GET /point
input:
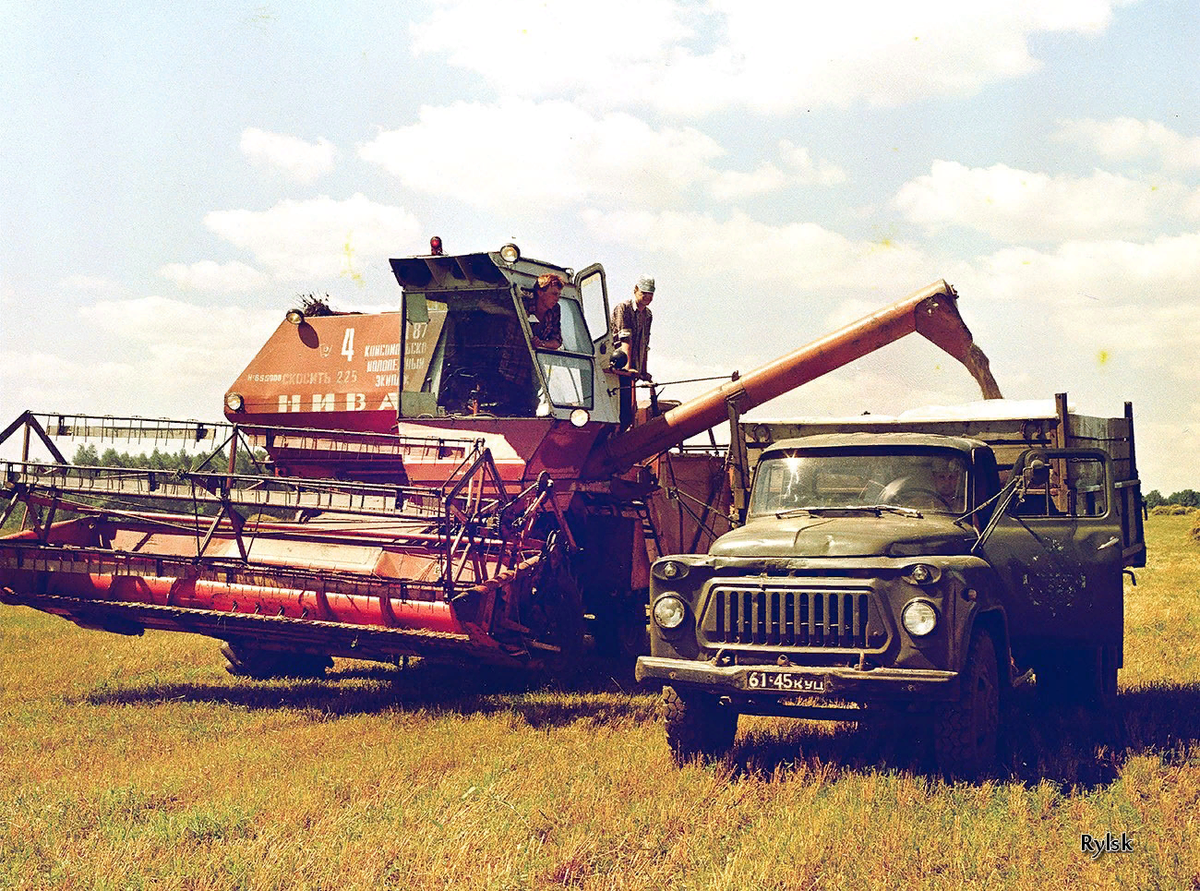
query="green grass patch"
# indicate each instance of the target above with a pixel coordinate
(138, 763)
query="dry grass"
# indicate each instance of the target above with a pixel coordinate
(138, 763)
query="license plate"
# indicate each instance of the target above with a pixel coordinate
(784, 682)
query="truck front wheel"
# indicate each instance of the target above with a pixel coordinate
(698, 726)
(965, 731)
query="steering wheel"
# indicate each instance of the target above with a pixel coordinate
(893, 492)
(871, 492)
(457, 387)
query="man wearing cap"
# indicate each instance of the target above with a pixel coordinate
(631, 325)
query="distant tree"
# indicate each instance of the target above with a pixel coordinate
(1187, 498)
(1154, 498)
(86, 456)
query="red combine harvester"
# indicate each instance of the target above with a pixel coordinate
(434, 484)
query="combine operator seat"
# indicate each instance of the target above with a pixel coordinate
(482, 365)
(472, 343)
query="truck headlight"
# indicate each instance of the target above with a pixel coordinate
(919, 617)
(234, 401)
(669, 612)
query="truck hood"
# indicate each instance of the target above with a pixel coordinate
(860, 535)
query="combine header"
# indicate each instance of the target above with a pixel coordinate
(433, 484)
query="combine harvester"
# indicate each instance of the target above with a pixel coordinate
(434, 484)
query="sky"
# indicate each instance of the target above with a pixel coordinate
(173, 176)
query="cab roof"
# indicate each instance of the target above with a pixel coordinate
(898, 441)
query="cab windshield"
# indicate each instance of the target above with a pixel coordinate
(929, 480)
(482, 362)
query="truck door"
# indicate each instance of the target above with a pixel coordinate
(1057, 550)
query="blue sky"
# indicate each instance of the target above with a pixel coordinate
(173, 176)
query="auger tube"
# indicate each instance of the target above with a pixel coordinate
(931, 312)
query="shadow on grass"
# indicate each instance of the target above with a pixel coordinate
(601, 693)
(1071, 746)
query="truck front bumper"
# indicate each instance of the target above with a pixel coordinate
(839, 683)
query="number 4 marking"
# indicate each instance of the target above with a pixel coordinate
(348, 345)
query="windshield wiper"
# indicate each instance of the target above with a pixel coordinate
(792, 512)
(895, 509)
(876, 509)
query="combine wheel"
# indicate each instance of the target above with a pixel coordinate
(965, 731)
(698, 726)
(621, 630)
(252, 662)
(552, 611)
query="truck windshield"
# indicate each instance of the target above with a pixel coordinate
(934, 480)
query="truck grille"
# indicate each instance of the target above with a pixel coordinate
(787, 617)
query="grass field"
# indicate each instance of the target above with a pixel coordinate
(138, 763)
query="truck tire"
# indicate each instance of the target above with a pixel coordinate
(698, 726)
(965, 731)
(252, 662)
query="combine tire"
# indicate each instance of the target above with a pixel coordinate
(965, 731)
(553, 613)
(698, 726)
(252, 662)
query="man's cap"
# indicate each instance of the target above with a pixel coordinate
(645, 284)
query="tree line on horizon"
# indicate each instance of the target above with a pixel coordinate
(1184, 498)
(90, 456)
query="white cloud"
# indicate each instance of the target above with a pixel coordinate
(1125, 139)
(564, 155)
(537, 48)
(208, 275)
(807, 170)
(299, 160)
(772, 56)
(552, 154)
(1023, 206)
(90, 284)
(167, 358)
(1162, 272)
(729, 185)
(800, 254)
(321, 237)
(164, 326)
(799, 169)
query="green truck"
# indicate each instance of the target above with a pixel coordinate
(922, 564)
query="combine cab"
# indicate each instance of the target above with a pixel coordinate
(433, 484)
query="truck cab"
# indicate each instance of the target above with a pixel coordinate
(878, 568)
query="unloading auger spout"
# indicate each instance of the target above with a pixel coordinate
(931, 312)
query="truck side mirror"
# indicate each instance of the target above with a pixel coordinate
(1036, 473)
